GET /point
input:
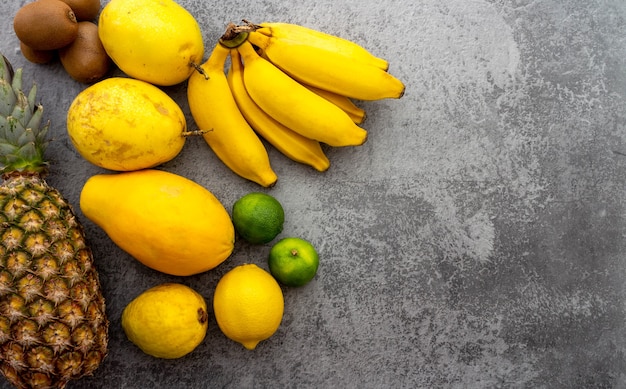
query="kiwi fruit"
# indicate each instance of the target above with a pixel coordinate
(85, 59)
(85, 10)
(45, 24)
(36, 56)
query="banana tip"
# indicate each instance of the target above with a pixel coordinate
(322, 166)
(364, 138)
(402, 92)
(271, 183)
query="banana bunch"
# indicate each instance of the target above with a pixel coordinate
(290, 85)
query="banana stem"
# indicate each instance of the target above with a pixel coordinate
(215, 62)
(236, 35)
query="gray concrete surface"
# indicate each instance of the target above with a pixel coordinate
(477, 240)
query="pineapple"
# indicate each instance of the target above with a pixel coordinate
(53, 326)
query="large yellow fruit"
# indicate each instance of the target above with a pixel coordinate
(125, 124)
(166, 321)
(166, 221)
(151, 40)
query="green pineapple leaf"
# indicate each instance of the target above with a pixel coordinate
(22, 140)
(13, 130)
(7, 97)
(35, 119)
(32, 95)
(16, 83)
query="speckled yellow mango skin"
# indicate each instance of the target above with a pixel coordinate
(151, 40)
(166, 321)
(166, 221)
(124, 124)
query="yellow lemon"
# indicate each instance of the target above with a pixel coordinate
(151, 40)
(125, 124)
(166, 221)
(166, 321)
(248, 305)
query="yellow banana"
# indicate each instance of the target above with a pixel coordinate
(356, 114)
(288, 142)
(323, 40)
(327, 69)
(225, 129)
(295, 106)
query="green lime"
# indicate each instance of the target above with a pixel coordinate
(258, 217)
(293, 261)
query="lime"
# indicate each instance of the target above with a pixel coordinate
(293, 261)
(258, 217)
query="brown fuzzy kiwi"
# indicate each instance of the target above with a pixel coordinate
(45, 24)
(84, 9)
(36, 56)
(85, 59)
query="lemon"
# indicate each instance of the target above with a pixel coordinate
(166, 321)
(154, 41)
(293, 261)
(125, 124)
(248, 305)
(258, 217)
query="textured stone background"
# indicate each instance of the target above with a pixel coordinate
(475, 241)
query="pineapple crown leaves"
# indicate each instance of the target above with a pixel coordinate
(22, 137)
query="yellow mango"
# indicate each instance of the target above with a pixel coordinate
(166, 221)
(125, 124)
(151, 40)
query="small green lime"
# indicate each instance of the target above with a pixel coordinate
(293, 261)
(258, 217)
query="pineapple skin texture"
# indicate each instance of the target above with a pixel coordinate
(53, 325)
